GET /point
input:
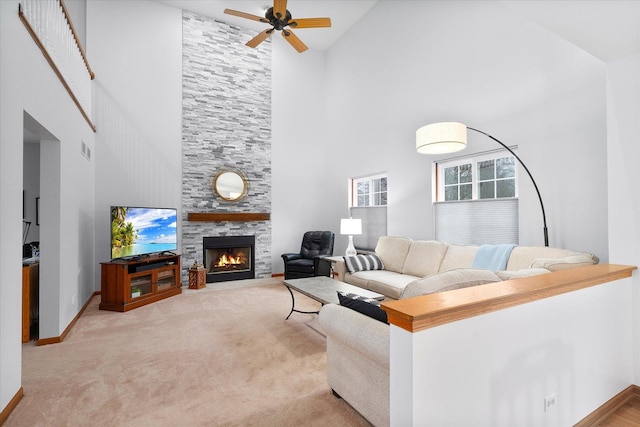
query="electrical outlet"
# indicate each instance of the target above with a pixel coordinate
(549, 402)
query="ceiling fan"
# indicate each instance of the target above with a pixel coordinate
(280, 18)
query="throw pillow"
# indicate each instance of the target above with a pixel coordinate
(367, 306)
(363, 262)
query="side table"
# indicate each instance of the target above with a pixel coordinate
(332, 260)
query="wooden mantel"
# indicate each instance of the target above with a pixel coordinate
(427, 311)
(228, 216)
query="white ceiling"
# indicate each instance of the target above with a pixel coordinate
(343, 14)
(608, 29)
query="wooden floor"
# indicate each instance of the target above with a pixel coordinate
(627, 415)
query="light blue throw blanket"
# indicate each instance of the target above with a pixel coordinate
(492, 257)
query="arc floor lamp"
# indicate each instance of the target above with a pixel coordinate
(449, 137)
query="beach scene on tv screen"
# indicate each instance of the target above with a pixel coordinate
(139, 231)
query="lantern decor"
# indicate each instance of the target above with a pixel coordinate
(197, 276)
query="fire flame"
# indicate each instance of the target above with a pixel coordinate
(225, 260)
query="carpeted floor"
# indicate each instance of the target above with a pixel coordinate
(214, 357)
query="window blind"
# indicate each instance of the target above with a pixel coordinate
(477, 222)
(374, 225)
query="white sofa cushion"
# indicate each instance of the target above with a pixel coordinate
(382, 281)
(522, 256)
(571, 261)
(458, 256)
(424, 257)
(449, 280)
(393, 252)
(508, 275)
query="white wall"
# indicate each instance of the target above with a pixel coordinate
(623, 155)
(406, 64)
(135, 49)
(27, 83)
(301, 158)
(502, 365)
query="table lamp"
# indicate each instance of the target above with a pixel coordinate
(351, 227)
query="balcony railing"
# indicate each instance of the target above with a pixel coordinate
(51, 28)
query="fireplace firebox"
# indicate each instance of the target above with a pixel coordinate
(229, 258)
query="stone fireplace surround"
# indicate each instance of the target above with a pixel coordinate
(226, 125)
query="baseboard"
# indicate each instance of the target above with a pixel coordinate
(57, 340)
(609, 407)
(11, 406)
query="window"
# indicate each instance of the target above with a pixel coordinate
(488, 176)
(368, 191)
(497, 178)
(475, 201)
(457, 182)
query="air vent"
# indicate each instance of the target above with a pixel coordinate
(86, 151)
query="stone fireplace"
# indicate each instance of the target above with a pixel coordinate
(226, 125)
(229, 258)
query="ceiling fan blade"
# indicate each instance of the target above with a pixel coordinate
(254, 42)
(310, 23)
(245, 15)
(294, 41)
(279, 7)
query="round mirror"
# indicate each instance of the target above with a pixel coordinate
(230, 186)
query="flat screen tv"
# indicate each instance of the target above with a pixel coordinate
(142, 231)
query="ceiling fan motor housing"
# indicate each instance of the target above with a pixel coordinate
(277, 23)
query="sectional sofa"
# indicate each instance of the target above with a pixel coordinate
(358, 345)
(406, 261)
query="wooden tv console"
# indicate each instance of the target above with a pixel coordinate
(129, 284)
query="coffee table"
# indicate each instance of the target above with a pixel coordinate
(324, 290)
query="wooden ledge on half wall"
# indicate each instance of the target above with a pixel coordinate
(228, 216)
(427, 311)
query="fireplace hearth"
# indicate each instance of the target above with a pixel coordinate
(229, 258)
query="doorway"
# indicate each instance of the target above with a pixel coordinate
(41, 178)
